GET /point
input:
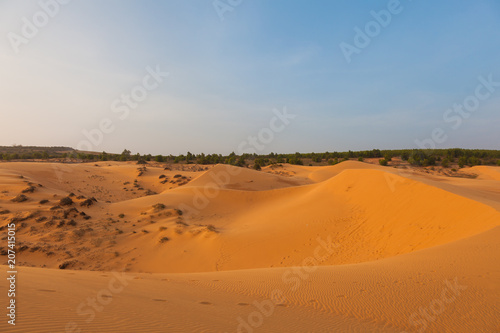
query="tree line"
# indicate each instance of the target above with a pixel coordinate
(416, 157)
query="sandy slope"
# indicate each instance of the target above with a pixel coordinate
(371, 245)
(486, 172)
(450, 288)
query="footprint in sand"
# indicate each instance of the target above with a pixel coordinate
(243, 304)
(205, 303)
(159, 300)
(47, 290)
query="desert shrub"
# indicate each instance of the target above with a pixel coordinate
(445, 163)
(65, 265)
(66, 201)
(162, 228)
(498, 162)
(29, 189)
(383, 162)
(121, 215)
(164, 239)
(19, 198)
(44, 201)
(361, 159)
(87, 203)
(159, 206)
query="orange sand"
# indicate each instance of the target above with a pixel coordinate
(354, 247)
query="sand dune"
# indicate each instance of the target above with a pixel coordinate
(229, 177)
(450, 288)
(372, 247)
(486, 172)
(320, 174)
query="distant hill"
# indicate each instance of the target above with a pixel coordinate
(33, 149)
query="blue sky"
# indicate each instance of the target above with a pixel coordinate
(227, 76)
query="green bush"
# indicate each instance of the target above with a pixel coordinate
(383, 162)
(473, 161)
(462, 161)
